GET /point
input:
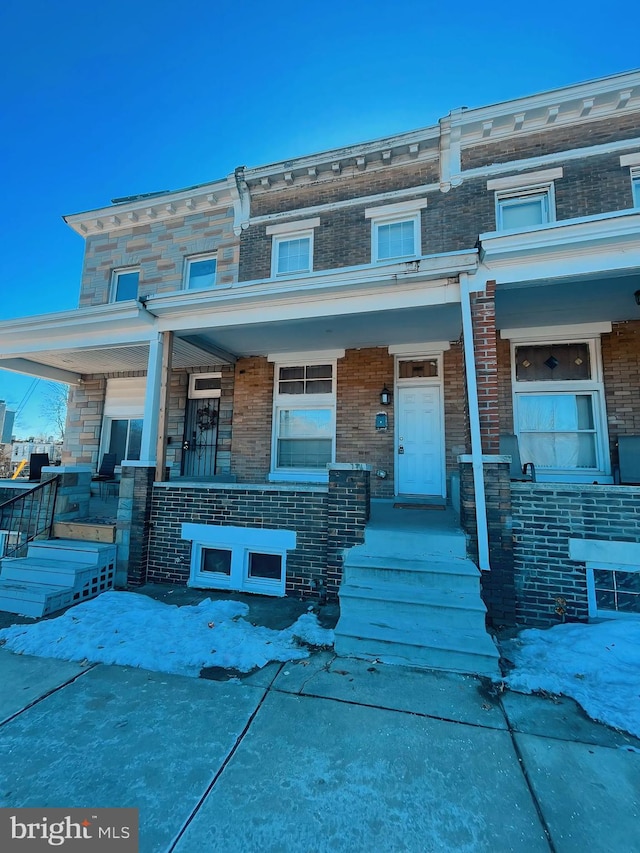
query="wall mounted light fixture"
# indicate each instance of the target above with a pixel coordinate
(385, 396)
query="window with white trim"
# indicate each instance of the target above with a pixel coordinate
(200, 272)
(524, 208)
(123, 416)
(292, 253)
(303, 420)
(124, 284)
(635, 186)
(559, 409)
(395, 239)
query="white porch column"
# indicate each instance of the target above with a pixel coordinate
(150, 423)
(474, 424)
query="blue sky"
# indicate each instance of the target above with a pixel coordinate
(107, 100)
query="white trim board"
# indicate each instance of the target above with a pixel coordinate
(525, 179)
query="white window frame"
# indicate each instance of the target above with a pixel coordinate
(241, 542)
(195, 259)
(279, 240)
(285, 232)
(115, 275)
(608, 556)
(302, 401)
(544, 190)
(389, 214)
(635, 186)
(593, 387)
(376, 224)
(204, 393)
(124, 401)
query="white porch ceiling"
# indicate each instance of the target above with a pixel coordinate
(556, 302)
(368, 329)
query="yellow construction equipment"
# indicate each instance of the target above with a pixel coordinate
(19, 469)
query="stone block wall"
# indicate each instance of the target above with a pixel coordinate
(159, 250)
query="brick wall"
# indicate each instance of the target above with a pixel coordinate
(483, 312)
(456, 414)
(505, 395)
(551, 141)
(350, 184)
(326, 521)
(362, 374)
(278, 508)
(159, 251)
(545, 516)
(252, 417)
(621, 365)
(498, 587)
(343, 238)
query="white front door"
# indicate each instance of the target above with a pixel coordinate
(419, 447)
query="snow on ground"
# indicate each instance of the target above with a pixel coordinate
(598, 665)
(133, 630)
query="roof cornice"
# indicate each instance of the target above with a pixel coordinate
(571, 105)
(156, 207)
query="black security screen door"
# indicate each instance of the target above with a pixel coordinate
(200, 438)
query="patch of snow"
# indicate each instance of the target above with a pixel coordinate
(130, 629)
(597, 664)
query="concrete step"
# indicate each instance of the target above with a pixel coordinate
(392, 604)
(409, 644)
(383, 542)
(49, 572)
(32, 599)
(72, 551)
(431, 572)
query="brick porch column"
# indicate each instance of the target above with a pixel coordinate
(498, 585)
(133, 525)
(348, 505)
(483, 312)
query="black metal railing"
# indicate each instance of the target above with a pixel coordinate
(27, 517)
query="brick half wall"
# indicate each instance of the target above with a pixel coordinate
(549, 586)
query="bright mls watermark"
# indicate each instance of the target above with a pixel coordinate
(80, 830)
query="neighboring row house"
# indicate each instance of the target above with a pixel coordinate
(268, 353)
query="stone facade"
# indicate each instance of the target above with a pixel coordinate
(159, 252)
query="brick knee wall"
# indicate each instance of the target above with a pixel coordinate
(549, 586)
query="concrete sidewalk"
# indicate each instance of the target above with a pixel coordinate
(321, 755)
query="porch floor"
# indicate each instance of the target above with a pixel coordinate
(432, 530)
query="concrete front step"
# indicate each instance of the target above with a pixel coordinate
(383, 542)
(408, 644)
(72, 551)
(395, 604)
(55, 574)
(49, 572)
(430, 572)
(34, 599)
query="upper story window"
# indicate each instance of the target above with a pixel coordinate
(292, 247)
(525, 201)
(124, 285)
(523, 209)
(292, 254)
(200, 273)
(635, 186)
(395, 230)
(396, 239)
